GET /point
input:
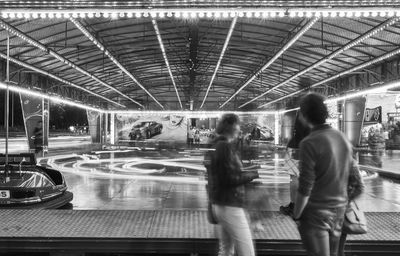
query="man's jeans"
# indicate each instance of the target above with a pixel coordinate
(320, 230)
(233, 231)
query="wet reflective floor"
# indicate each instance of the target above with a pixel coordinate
(140, 179)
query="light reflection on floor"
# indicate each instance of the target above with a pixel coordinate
(150, 179)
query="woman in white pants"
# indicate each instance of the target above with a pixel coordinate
(226, 191)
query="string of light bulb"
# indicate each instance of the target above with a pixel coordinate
(112, 58)
(332, 55)
(192, 13)
(52, 98)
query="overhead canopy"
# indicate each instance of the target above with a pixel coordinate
(130, 57)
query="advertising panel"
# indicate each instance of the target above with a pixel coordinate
(151, 127)
(373, 115)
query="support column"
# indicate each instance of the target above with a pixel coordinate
(288, 121)
(94, 125)
(45, 122)
(112, 129)
(105, 127)
(276, 133)
(353, 116)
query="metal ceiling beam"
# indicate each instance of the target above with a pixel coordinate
(303, 30)
(104, 49)
(332, 55)
(156, 29)
(227, 40)
(341, 74)
(66, 82)
(42, 47)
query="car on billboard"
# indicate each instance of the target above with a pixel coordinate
(25, 185)
(145, 130)
(262, 133)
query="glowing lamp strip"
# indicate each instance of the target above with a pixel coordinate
(204, 114)
(364, 65)
(111, 57)
(275, 57)
(23, 64)
(165, 58)
(55, 99)
(380, 89)
(330, 56)
(228, 38)
(42, 47)
(199, 12)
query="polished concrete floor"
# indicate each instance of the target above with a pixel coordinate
(139, 179)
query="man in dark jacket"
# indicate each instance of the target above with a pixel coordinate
(325, 162)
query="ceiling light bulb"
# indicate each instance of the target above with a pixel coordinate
(193, 15)
(138, 14)
(90, 15)
(114, 15)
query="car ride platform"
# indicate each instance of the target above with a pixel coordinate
(166, 231)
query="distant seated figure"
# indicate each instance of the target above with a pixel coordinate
(38, 137)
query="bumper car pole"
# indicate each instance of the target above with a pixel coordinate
(7, 116)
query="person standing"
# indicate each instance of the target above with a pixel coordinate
(226, 191)
(325, 162)
(300, 131)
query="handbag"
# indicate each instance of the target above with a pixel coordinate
(210, 215)
(355, 222)
(291, 165)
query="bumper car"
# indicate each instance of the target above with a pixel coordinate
(25, 185)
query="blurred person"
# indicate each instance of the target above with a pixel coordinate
(191, 136)
(325, 162)
(197, 136)
(300, 131)
(226, 190)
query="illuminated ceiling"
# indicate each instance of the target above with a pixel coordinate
(213, 55)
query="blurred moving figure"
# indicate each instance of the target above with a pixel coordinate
(226, 190)
(325, 162)
(300, 131)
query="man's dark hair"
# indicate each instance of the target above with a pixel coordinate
(313, 108)
(300, 131)
(226, 123)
